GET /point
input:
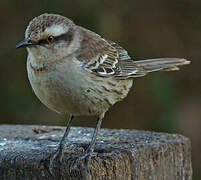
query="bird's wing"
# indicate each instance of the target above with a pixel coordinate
(106, 58)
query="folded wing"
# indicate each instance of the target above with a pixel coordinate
(106, 58)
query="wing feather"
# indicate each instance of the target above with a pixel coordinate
(106, 58)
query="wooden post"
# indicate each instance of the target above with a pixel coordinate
(120, 154)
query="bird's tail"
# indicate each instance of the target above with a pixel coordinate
(166, 64)
(140, 68)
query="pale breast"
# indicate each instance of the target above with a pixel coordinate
(67, 88)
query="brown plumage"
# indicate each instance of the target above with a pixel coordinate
(75, 71)
(106, 58)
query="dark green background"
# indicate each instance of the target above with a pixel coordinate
(163, 101)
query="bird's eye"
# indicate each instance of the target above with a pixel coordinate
(50, 39)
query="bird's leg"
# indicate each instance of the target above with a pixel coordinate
(60, 150)
(88, 153)
(91, 147)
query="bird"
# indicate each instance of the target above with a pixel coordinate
(75, 71)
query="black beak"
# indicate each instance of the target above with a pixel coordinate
(25, 43)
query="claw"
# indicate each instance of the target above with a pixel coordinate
(75, 166)
(86, 156)
(53, 158)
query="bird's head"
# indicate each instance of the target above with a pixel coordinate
(50, 37)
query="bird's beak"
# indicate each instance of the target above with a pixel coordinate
(25, 43)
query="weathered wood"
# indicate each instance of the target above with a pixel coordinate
(121, 154)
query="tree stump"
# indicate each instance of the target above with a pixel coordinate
(119, 154)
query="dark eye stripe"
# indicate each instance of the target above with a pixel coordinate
(63, 37)
(42, 41)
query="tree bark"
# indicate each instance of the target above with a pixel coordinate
(119, 154)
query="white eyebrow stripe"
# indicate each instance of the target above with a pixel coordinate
(56, 30)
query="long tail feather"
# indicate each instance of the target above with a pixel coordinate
(166, 64)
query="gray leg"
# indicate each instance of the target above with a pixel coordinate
(90, 149)
(89, 152)
(60, 151)
(63, 141)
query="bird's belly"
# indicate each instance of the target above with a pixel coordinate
(56, 95)
(76, 93)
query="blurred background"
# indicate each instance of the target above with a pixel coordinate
(162, 101)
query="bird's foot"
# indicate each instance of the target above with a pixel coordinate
(58, 155)
(82, 160)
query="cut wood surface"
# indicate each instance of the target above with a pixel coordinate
(119, 154)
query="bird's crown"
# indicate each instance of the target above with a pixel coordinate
(47, 24)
